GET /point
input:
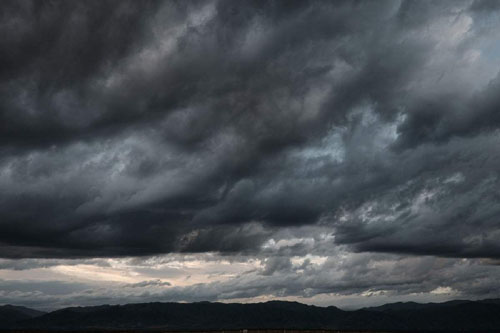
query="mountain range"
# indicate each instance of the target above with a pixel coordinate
(453, 315)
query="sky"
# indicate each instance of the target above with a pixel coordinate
(328, 152)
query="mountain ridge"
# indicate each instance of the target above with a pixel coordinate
(11, 314)
(404, 316)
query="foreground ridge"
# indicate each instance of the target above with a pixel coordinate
(272, 317)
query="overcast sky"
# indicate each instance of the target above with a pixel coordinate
(329, 152)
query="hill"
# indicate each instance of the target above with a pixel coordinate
(10, 314)
(454, 315)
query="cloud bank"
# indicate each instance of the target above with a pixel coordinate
(269, 130)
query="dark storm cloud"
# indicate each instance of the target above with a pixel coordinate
(135, 128)
(51, 53)
(428, 121)
(418, 216)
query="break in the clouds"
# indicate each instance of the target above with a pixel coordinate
(339, 148)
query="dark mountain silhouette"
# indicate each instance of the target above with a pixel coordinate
(410, 316)
(10, 314)
(413, 306)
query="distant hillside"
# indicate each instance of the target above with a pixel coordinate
(414, 306)
(455, 315)
(10, 314)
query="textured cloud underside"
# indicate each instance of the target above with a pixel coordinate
(269, 130)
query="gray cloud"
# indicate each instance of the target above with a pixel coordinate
(341, 279)
(143, 128)
(158, 283)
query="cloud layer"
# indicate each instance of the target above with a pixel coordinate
(265, 129)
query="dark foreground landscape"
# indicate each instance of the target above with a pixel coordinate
(239, 331)
(270, 317)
